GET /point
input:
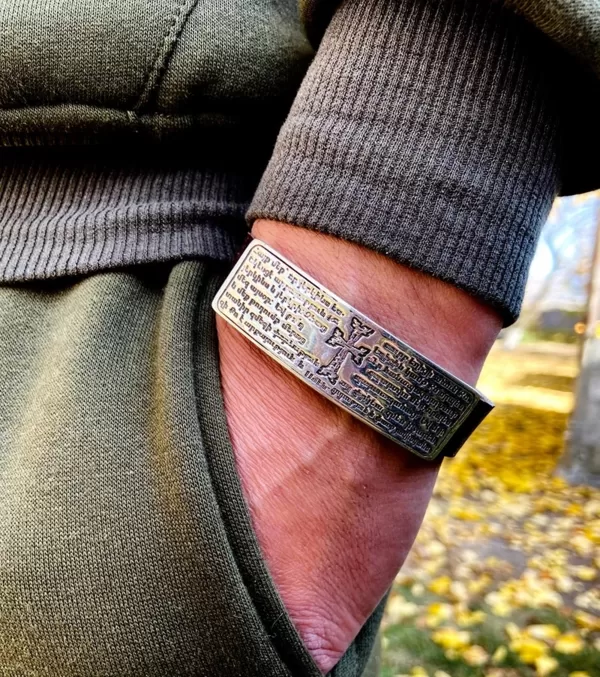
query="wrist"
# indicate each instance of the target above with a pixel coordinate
(444, 323)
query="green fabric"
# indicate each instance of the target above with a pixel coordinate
(573, 24)
(91, 70)
(436, 132)
(126, 547)
(446, 159)
(373, 668)
(465, 137)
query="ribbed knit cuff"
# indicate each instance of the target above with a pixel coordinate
(425, 130)
(68, 212)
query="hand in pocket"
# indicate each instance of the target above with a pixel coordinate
(335, 505)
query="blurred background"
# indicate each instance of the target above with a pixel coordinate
(504, 578)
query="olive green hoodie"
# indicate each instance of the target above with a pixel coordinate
(436, 132)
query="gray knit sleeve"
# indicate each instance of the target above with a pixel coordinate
(426, 130)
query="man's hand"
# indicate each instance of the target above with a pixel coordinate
(335, 505)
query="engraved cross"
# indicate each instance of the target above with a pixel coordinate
(358, 329)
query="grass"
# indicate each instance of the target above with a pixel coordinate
(505, 538)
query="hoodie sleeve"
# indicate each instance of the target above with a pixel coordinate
(427, 130)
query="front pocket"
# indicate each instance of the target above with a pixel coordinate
(228, 490)
(237, 519)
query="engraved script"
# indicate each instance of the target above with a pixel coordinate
(342, 354)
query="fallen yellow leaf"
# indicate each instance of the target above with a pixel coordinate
(569, 644)
(468, 514)
(398, 609)
(452, 639)
(513, 630)
(475, 656)
(547, 633)
(419, 671)
(529, 649)
(441, 585)
(544, 665)
(437, 613)
(500, 654)
(587, 621)
(585, 573)
(467, 618)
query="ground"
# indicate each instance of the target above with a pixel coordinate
(504, 579)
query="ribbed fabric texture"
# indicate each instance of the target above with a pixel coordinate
(574, 24)
(61, 215)
(426, 131)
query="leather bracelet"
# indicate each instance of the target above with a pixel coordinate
(346, 356)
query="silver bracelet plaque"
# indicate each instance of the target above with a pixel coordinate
(346, 356)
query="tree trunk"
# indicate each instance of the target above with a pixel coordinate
(581, 461)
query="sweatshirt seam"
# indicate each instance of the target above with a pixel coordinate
(169, 42)
(132, 116)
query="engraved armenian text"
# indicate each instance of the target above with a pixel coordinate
(343, 354)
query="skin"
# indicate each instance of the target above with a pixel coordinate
(340, 505)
